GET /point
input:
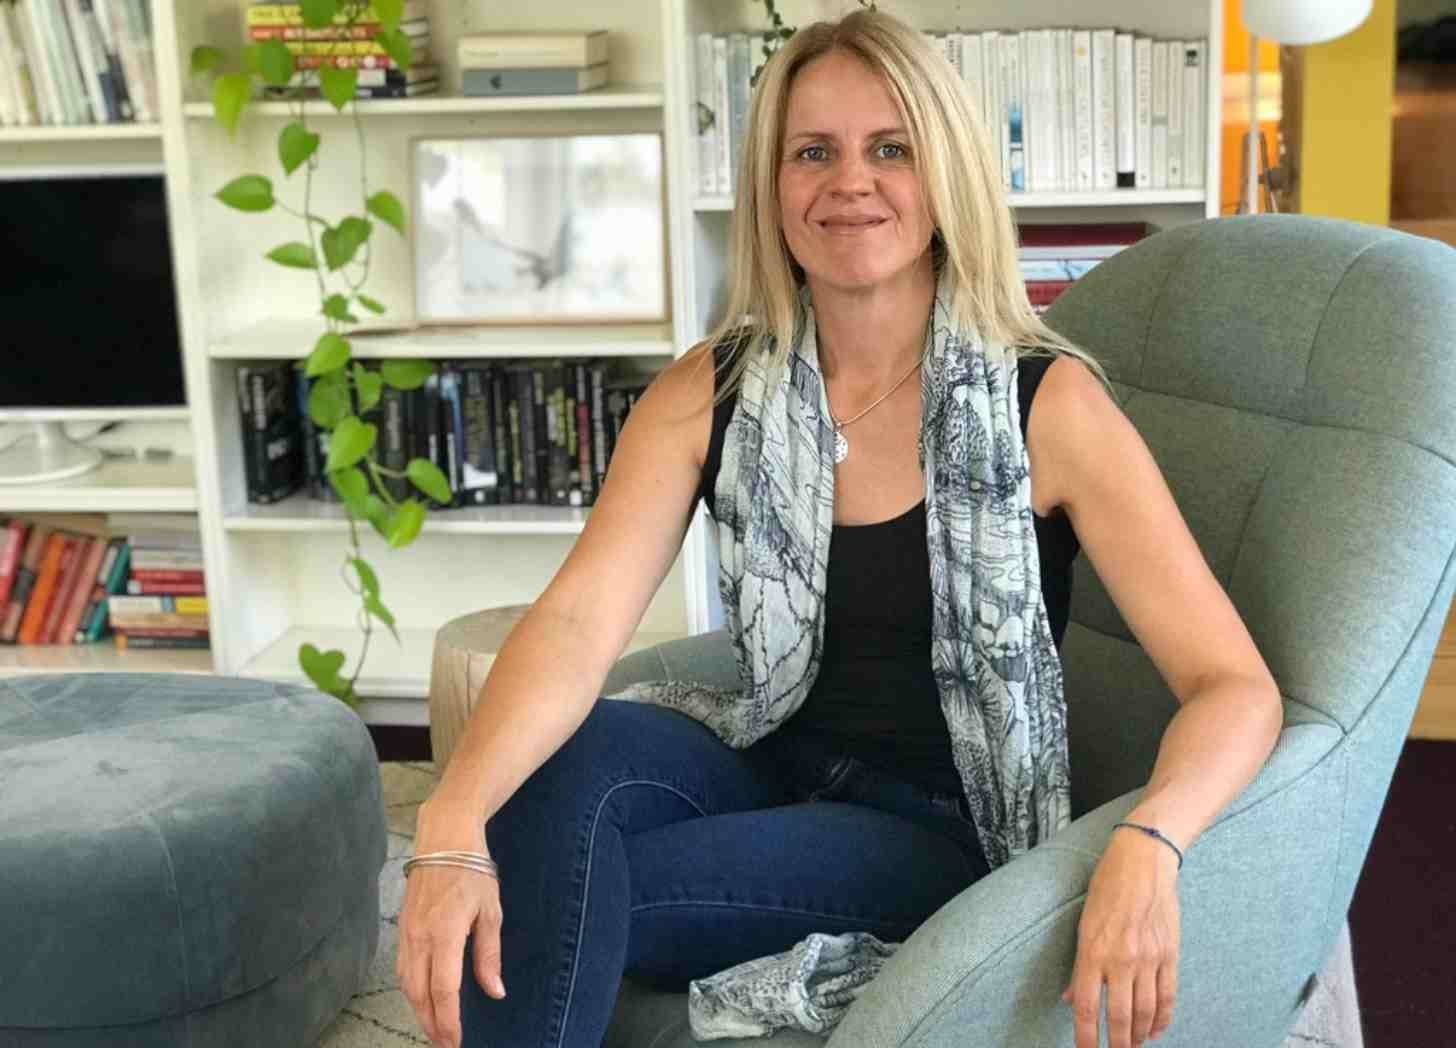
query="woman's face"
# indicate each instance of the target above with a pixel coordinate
(849, 196)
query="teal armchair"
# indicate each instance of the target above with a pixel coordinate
(1295, 378)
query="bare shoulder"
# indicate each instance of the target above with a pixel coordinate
(1069, 402)
(682, 398)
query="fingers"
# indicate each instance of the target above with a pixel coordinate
(413, 969)
(446, 960)
(1144, 1005)
(1167, 992)
(487, 949)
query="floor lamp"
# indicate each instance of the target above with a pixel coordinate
(1285, 22)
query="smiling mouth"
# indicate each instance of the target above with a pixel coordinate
(850, 227)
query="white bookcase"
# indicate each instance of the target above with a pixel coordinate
(273, 571)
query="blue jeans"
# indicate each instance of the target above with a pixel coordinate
(647, 846)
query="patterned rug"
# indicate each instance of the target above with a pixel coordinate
(379, 1016)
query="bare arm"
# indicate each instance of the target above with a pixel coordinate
(549, 672)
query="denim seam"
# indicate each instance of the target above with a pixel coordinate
(767, 909)
(586, 884)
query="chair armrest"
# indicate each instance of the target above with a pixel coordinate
(989, 967)
(706, 657)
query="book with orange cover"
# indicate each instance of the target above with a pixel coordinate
(45, 587)
(25, 576)
(65, 586)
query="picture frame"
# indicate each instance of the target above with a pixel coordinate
(539, 229)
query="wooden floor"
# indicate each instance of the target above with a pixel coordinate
(1436, 715)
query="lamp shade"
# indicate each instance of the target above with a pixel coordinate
(1304, 21)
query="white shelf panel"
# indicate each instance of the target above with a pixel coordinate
(78, 132)
(612, 96)
(292, 339)
(299, 513)
(117, 485)
(391, 671)
(1096, 198)
(101, 657)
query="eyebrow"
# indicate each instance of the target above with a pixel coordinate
(830, 134)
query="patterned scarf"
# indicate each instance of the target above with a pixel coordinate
(996, 665)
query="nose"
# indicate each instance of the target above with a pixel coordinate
(852, 176)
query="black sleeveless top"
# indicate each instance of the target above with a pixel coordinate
(875, 695)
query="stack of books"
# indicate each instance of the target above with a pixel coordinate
(1053, 256)
(503, 432)
(165, 603)
(349, 44)
(76, 62)
(532, 63)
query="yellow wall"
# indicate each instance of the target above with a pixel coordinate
(1347, 102)
(1236, 118)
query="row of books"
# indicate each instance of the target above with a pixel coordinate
(349, 43)
(1066, 109)
(537, 432)
(532, 63)
(1054, 255)
(78, 578)
(76, 62)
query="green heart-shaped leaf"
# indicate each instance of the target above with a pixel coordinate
(322, 667)
(205, 59)
(342, 242)
(247, 193)
(275, 62)
(351, 484)
(405, 523)
(318, 13)
(369, 386)
(398, 46)
(296, 144)
(330, 353)
(370, 304)
(367, 579)
(386, 207)
(427, 476)
(336, 306)
(295, 255)
(349, 442)
(377, 514)
(337, 85)
(380, 612)
(389, 12)
(229, 95)
(328, 400)
(406, 374)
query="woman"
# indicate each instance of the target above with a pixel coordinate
(631, 839)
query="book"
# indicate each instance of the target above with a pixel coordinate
(272, 453)
(109, 578)
(48, 573)
(485, 83)
(24, 583)
(419, 27)
(1077, 240)
(95, 552)
(12, 545)
(292, 14)
(531, 49)
(127, 605)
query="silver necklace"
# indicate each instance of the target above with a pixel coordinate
(841, 445)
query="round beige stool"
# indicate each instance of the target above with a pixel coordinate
(464, 650)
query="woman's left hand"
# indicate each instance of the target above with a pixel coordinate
(1127, 937)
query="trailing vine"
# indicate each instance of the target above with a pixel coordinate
(344, 390)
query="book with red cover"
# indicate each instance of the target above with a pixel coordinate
(66, 582)
(1078, 240)
(24, 586)
(12, 545)
(76, 603)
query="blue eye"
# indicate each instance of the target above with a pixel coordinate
(894, 145)
(807, 148)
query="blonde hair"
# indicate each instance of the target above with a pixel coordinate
(960, 182)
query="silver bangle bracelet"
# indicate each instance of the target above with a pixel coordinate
(464, 860)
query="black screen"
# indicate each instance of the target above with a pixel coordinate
(88, 316)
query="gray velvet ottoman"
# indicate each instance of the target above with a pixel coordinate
(184, 860)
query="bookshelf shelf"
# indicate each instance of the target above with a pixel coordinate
(101, 657)
(117, 485)
(392, 671)
(285, 339)
(78, 133)
(298, 513)
(1096, 198)
(612, 96)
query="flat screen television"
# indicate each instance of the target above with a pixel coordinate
(88, 319)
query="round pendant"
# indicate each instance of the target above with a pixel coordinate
(841, 446)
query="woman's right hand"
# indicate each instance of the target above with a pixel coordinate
(442, 906)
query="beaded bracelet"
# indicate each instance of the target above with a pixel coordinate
(1151, 832)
